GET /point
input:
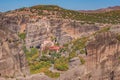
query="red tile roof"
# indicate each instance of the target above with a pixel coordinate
(54, 48)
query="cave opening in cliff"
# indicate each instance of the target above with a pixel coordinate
(31, 46)
(38, 46)
(112, 75)
(86, 51)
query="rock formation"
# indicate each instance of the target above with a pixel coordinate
(12, 58)
(25, 29)
(103, 57)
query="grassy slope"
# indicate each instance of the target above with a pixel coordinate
(106, 17)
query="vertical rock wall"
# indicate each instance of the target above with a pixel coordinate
(102, 61)
(12, 58)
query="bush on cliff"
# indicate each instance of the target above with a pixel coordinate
(61, 64)
(22, 35)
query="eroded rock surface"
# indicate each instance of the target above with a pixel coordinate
(12, 58)
(102, 50)
(102, 61)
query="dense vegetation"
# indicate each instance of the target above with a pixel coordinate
(105, 17)
(38, 65)
(77, 45)
(61, 64)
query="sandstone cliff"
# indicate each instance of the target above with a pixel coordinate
(90, 51)
(12, 58)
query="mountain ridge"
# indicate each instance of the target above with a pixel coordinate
(107, 9)
(52, 11)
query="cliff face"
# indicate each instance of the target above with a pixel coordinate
(37, 31)
(103, 57)
(12, 58)
(63, 30)
(25, 28)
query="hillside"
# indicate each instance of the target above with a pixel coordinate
(47, 42)
(109, 15)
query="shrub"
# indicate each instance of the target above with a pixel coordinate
(22, 35)
(82, 60)
(52, 74)
(55, 54)
(44, 58)
(34, 50)
(102, 30)
(72, 55)
(38, 67)
(24, 49)
(32, 54)
(82, 51)
(61, 64)
(79, 44)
